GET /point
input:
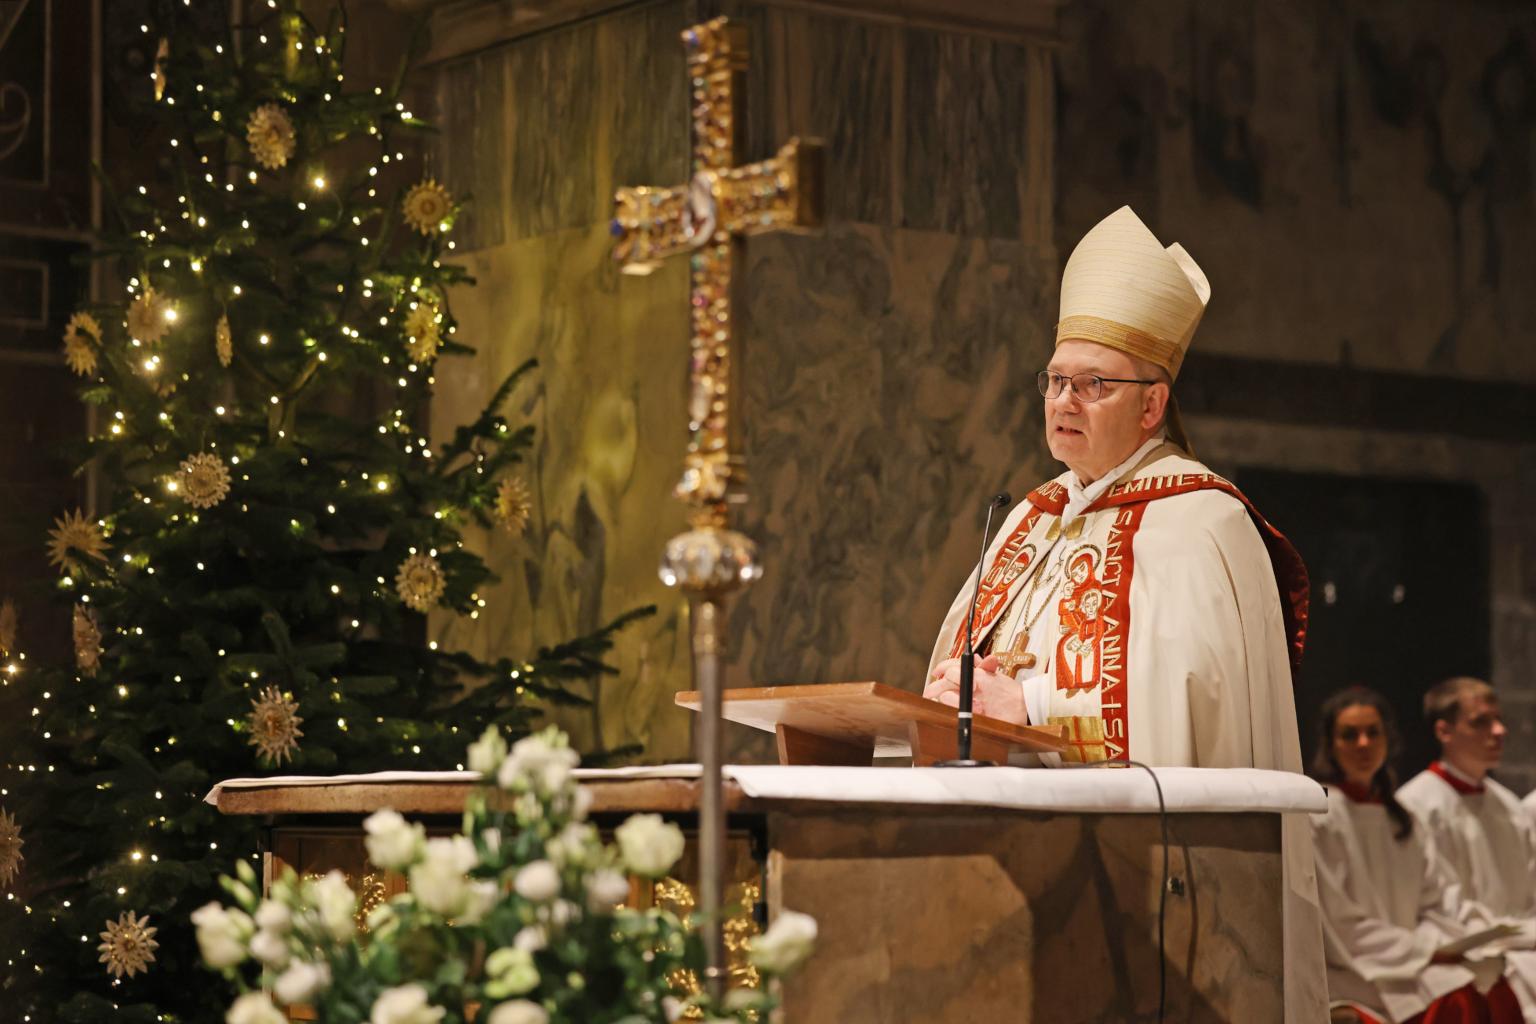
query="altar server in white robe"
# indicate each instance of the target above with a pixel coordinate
(1481, 829)
(1138, 599)
(1388, 904)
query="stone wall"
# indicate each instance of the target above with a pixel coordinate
(1358, 173)
(1356, 177)
(884, 358)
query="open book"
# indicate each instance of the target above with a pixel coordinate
(1481, 938)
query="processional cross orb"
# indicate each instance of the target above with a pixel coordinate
(708, 218)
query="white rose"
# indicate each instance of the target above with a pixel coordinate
(530, 939)
(392, 843)
(572, 845)
(406, 1004)
(221, 935)
(581, 804)
(672, 1007)
(439, 881)
(510, 971)
(528, 809)
(786, 943)
(606, 889)
(483, 894)
(487, 753)
(649, 845)
(254, 1008)
(337, 904)
(534, 761)
(271, 949)
(273, 917)
(381, 919)
(554, 775)
(563, 912)
(491, 837)
(538, 881)
(518, 1011)
(300, 982)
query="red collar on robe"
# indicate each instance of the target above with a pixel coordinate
(1359, 794)
(1454, 779)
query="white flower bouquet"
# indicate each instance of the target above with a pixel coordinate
(518, 920)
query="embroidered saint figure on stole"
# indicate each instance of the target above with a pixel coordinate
(1082, 627)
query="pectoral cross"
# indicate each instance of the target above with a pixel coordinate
(708, 217)
(1016, 657)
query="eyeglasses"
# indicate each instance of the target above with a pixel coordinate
(1087, 387)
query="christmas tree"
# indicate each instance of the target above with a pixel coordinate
(252, 592)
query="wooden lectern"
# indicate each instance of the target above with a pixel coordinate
(853, 723)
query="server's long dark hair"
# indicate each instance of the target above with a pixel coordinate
(1384, 783)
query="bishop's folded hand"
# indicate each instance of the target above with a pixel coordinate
(995, 695)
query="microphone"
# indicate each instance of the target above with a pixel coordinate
(968, 656)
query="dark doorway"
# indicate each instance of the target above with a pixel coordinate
(1399, 572)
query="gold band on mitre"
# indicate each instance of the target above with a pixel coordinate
(1129, 340)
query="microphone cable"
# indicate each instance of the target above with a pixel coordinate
(1162, 894)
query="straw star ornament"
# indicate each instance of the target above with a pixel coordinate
(274, 723)
(73, 539)
(420, 582)
(269, 133)
(82, 337)
(128, 945)
(10, 848)
(87, 635)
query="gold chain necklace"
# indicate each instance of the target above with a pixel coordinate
(1016, 656)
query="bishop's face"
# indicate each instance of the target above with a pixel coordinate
(1094, 437)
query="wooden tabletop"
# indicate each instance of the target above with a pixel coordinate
(869, 712)
(626, 795)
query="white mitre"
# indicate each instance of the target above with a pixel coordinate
(1121, 288)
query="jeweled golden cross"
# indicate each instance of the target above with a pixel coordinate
(708, 217)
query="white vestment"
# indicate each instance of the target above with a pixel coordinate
(1388, 905)
(1157, 633)
(1488, 843)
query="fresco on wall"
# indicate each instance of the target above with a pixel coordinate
(1360, 174)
